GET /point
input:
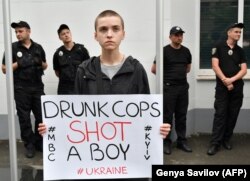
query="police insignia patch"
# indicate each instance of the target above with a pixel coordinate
(19, 54)
(60, 53)
(213, 51)
(230, 52)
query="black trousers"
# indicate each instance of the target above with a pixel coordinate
(66, 88)
(175, 106)
(27, 174)
(29, 99)
(227, 107)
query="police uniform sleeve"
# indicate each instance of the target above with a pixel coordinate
(85, 53)
(3, 60)
(39, 57)
(55, 61)
(189, 57)
(243, 57)
(215, 52)
(43, 54)
(13, 55)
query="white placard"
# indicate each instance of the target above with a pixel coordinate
(101, 136)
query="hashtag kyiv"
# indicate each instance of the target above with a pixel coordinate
(148, 128)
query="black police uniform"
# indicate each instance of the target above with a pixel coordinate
(28, 88)
(176, 87)
(227, 103)
(66, 62)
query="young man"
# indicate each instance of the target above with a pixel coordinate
(177, 63)
(229, 65)
(66, 60)
(112, 72)
(29, 61)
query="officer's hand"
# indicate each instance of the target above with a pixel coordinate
(230, 87)
(4, 69)
(14, 66)
(20, 63)
(227, 81)
(38, 61)
(24, 63)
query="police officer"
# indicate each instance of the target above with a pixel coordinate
(177, 63)
(66, 60)
(229, 65)
(29, 62)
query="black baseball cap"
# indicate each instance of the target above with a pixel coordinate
(235, 25)
(20, 24)
(62, 27)
(175, 30)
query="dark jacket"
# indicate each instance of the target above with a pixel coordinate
(130, 79)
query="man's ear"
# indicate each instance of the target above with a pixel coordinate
(59, 37)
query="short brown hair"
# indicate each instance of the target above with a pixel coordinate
(108, 13)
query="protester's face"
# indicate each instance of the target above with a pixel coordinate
(109, 32)
(22, 34)
(176, 38)
(234, 34)
(65, 36)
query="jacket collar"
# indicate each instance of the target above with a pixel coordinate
(128, 66)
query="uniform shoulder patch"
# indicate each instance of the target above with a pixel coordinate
(214, 50)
